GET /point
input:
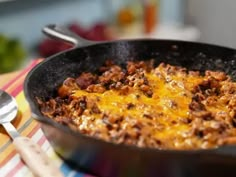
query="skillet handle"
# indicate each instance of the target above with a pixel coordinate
(64, 35)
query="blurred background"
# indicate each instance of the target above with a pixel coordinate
(21, 21)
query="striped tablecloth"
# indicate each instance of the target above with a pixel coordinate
(10, 162)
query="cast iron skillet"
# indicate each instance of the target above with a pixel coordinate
(110, 160)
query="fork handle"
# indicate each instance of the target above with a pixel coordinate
(35, 158)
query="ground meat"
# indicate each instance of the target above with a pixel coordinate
(96, 88)
(95, 109)
(220, 76)
(130, 105)
(85, 79)
(196, 106)
(114, 74)
(124, 90)
(67, 87)
(207, 86)
(164, 107)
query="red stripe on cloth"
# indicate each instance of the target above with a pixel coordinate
(42, 140)
(17, 90)
(34, 130)
(20, 164)
(20, 74)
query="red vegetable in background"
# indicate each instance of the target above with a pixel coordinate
(49, 47)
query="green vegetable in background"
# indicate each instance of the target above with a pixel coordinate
(12, 54)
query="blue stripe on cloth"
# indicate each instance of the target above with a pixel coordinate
(69, 172)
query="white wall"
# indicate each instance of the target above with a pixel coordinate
(216, 20)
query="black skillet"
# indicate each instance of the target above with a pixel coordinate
(111, 160)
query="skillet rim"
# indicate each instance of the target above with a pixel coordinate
(36, 114)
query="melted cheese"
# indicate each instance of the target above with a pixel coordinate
(167, 106)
